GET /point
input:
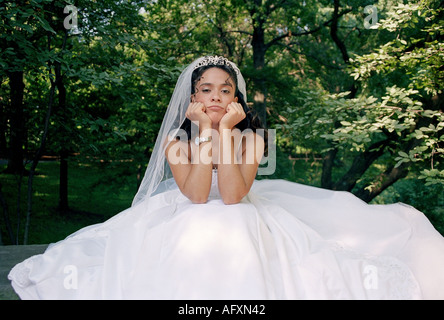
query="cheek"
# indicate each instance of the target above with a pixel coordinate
(199, 97)
(231, 99)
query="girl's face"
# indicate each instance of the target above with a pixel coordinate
(216, 90)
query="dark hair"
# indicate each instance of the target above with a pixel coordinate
(251, 121)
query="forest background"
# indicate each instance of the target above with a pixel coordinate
(354, 90)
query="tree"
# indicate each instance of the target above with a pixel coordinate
(17, 42)
(416, 53)
(394, 124)
(108, 50)
(25, 29)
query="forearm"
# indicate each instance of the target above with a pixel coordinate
(231, 182)
(197, 184)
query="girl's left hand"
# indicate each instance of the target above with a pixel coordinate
(235, 114)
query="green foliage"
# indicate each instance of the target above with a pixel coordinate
(396, 109)
(381, 108)
(96, 194)
(111, 72)
(111, 87)
(417, 55)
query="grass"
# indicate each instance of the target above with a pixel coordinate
(96, 193)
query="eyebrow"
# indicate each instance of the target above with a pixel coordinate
(212, 84)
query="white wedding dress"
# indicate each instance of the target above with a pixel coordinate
(283, 241)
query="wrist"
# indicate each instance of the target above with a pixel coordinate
(199, 140)
(224, 128)
(205, 129)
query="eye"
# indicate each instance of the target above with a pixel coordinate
(206, 90)
(226, 91)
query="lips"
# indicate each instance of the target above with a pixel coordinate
(215, 108)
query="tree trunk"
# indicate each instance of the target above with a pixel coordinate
(360, 165)
(63, 186)
(35, 161)
(64, 151)
(328, 161)
(383, 181)
(3, 128)
(17, 118)
(327, 166)
(259, 49)
(6, 219)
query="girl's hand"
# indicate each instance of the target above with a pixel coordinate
(196, 112)
(235, 114)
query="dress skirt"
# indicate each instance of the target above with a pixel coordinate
(282, 241)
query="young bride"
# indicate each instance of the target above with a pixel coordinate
(202, 227)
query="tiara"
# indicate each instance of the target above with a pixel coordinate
(216, 61)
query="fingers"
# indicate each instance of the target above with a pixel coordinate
(235, 114)
(196, 112)
(236, 108)
(194, 109)
(196, 106)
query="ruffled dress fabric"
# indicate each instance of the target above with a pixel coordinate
(283, 241)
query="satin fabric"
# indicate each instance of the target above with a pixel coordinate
(283, 241)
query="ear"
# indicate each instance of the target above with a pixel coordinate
(235, 99)
(192, 98)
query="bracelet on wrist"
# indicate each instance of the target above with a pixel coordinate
(199, 140)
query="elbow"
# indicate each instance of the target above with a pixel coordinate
(232, 199)
(198, 199)
(234, 196)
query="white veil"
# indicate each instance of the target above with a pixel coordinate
(158, 169)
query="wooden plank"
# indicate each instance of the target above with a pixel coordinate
(9, 257)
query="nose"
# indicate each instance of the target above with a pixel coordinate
(216, 96)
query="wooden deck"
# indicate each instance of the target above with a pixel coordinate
(9, 257)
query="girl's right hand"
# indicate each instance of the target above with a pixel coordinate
(196, 112)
